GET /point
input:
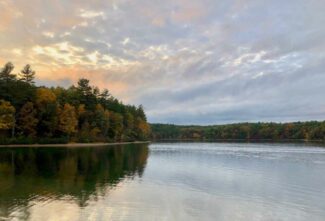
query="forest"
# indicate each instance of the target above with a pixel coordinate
(80, 113)
(308, 131)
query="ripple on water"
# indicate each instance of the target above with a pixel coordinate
(175, 181)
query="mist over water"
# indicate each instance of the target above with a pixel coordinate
(164, 181)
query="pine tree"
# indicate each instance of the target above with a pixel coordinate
(105, 94)
(5, 72)
(27, 75)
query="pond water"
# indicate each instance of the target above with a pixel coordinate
(164, 181)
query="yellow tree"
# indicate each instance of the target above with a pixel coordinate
(68, 120)
(27, 120)
(143, 128)
(101, 119)
(44, 96)
(7, 116)
(116, 125)
(81, 110)
(47, 109)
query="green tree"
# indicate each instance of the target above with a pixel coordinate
(104, 94)
(116, 125)
(84, 132)
(27, 121)
(84, 87)
(7, 116)
(86, 94)
(96, 114)
(101, 119)
(128, 124)
(27, 75)
(140, 113)
(5, 73)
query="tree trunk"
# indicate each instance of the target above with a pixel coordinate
(13, 128)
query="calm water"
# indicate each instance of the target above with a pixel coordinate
(176, 181)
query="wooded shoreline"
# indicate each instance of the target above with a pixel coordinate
(260, 131)
(74, 144)
(80, 113)
(292, 141)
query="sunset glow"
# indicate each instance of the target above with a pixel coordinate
(200, 61)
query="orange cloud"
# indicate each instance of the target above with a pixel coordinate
(101, 78)
(158, 21)
(189, 11)
(8, 14)
(180, 11)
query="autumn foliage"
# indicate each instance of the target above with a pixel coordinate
(307, 131)
(80, 113)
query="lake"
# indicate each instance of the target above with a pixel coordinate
(164, 181)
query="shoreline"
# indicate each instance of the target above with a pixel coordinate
(164, 141)
(74, 144)
(239, 140)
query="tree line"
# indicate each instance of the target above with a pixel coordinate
(80, 113)
(309, 131)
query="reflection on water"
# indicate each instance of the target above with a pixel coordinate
(178, 181)
(62, 177)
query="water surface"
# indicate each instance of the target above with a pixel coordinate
(164, 181)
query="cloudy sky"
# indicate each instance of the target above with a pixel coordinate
(186, 61)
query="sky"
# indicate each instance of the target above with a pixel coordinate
(186, 61)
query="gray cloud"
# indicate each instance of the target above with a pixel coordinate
(202, 62)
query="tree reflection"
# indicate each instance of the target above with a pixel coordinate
(78, 173)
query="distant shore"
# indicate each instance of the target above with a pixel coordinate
(74, 144)
(239, 140)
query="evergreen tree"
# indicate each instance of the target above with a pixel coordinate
(87, 113)
(86, 94)
(27, 75)
(105, 94)
(84, 87)
(140, 113)
(5, 72)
